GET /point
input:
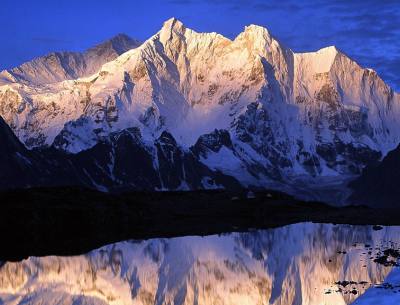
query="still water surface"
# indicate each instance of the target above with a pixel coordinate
(297, 264)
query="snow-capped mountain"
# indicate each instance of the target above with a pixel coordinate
(59, 66)
(249, 108)
(297, 264)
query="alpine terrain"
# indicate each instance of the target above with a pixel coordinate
(186, 110)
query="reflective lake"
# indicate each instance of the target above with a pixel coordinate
(298, 264)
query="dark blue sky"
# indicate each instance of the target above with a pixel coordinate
(367, 30)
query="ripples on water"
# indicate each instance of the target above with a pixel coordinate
(297, 264)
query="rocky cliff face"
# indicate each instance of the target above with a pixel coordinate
(121, 162)
(280, 115)
(14, 160)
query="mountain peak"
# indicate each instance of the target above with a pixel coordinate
(254, 33)
(257, 37)
(123, 38)
(329, 50)
(170, 28)
(120, 43)
(257, 29)
(58, 66)
(321, 60)
(173, 24)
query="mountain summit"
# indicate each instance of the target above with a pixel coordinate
(248, 108)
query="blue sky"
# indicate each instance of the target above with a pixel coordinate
(367, 30)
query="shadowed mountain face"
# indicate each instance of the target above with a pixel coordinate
(378, 186)
(193, 106)
(121, 162)
(14, 159)
(306, 263)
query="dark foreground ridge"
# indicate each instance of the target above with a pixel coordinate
(71, 221)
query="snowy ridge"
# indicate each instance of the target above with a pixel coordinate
(315, 114)
(59, 66)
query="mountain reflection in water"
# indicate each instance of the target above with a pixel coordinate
(298, 264)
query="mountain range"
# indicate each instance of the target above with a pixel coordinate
(186, 110)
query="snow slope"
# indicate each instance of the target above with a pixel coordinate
(381, 295)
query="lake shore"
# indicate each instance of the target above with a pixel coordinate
(72, 221)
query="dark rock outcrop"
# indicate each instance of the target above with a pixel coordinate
(120, 162)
